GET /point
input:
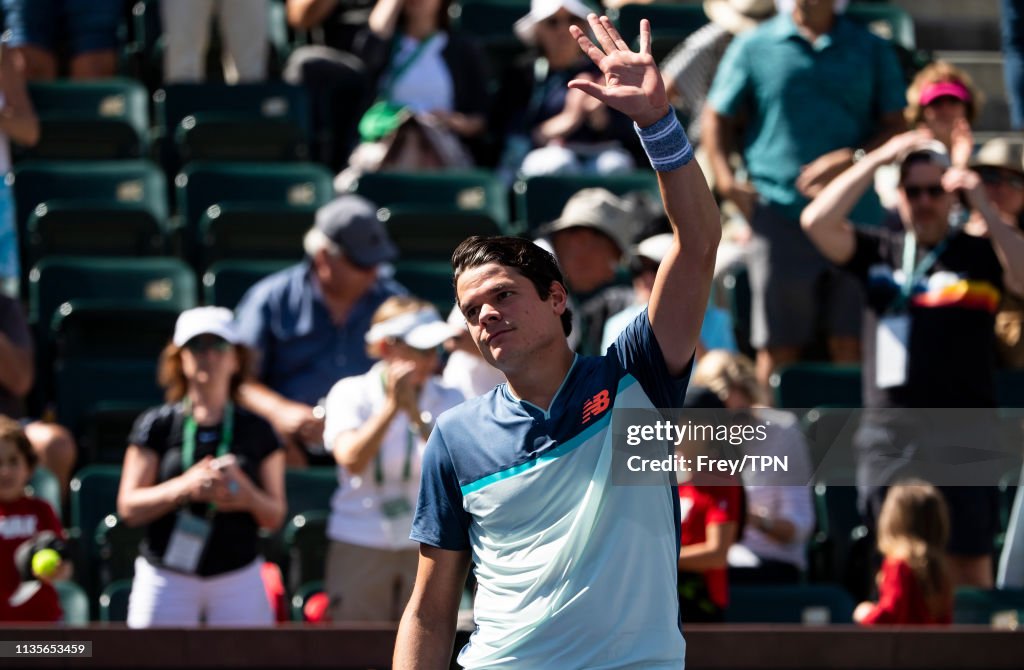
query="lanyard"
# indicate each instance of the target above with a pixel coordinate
(188, 443)
(378, 466)
(912, 275)
(400, 68)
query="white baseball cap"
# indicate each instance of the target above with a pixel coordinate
(422, 329)
(217, 321)
(525, 28)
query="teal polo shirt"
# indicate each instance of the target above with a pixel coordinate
(801, 100)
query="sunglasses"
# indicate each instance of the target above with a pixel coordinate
(202, 344)
(933, 191)
(995, 177)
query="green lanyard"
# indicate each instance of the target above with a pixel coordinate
(378, 467)
(188, 443)
(912, 275)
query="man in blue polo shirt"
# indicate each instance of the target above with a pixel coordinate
(810, 91)
(572, 570)
(307, 322)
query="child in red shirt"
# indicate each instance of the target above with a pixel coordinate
(710, 521)
(22, 517)
(914, 586)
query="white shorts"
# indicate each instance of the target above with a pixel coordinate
(164, 598)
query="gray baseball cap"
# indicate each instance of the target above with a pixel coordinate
(351, 222)
(599, 209)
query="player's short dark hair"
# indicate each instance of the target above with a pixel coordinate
(517, 253)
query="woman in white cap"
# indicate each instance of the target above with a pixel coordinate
(203, 476)
(377, 426)
(549, 128)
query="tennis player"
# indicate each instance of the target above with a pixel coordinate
(572, 572)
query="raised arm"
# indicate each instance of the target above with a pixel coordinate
(426, 634)
(633, 85)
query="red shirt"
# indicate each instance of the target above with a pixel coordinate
(900, 599)
(703, 506)
(20, 520)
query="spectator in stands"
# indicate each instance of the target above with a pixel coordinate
(779, 515)
(914, 585)
(52, 444)
(38, 29)
(547, 127)
(589, 240)
(307, 322)
(943, 99)
(715, 331)
(466, 368)
(813, 89)
(1000, 164)
(18, 122)
(23, 518)
(202, 475)
(377, 426)
(690, 68)
(335, 78)
(929, 324)
(243, 31)
(430, 86)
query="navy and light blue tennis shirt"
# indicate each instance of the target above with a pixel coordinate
(572, 571)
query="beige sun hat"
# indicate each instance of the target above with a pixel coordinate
(596, 208)
(737, 16)
(1001, 152)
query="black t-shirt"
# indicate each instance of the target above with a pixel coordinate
(233, 536)
(952, 319)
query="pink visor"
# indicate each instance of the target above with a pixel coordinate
(944, 88)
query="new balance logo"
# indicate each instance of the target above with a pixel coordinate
(595, 405)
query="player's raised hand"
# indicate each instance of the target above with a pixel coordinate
(632, 82)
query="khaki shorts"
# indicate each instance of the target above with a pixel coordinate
(367, 584)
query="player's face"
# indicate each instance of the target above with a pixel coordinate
(14, 471)
(507, 319)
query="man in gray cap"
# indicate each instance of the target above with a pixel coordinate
(307, 322)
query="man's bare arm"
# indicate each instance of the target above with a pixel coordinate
(426, 634)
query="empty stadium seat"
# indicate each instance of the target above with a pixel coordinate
(476, 192)
(841, 549)
(829, 432)
(310, 489)
(671, 23)
(489, 23)
(244, 122)
(429, 280)
(808, 604)
(253, 231)
(422, 234)
(45, 485)
(74, 602)
(305, 536)
(298, 186)
(104, 119)
(736, 284)
(978, 606)
(303, 594)
(114, 601)
(541, 199)
(93, 497)
(117, 547)
(806, 385)
(83, 228)
(225, 282)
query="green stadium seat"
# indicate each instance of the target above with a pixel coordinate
(310, 489)
(117, 547)
(74, 602)
(83, 328)
(301, 595)
(978, 606)
(841, 549)
(670, 24)
(45, 485)
(299, 186)
(93, 497)
(244, 122)
(736, 283)
(809, 604)
(806, 385)
(114, 601)
(829, 432)
(84, 228)
(99, 120)
(254, 231)
(429, 280)
(305, 536)
(1010, 388)
(889, 21)
(432, 235)
(225, 282)
(475, 192)
(541, 199)
(489, 23)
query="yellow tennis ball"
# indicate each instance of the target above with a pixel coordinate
(45, 563)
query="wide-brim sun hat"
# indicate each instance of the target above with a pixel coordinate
(526, 27)
(600, 210)
(1001, 152)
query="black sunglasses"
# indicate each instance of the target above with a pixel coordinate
(933, 191)
(201, 344)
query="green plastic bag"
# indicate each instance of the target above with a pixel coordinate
(380, 120)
